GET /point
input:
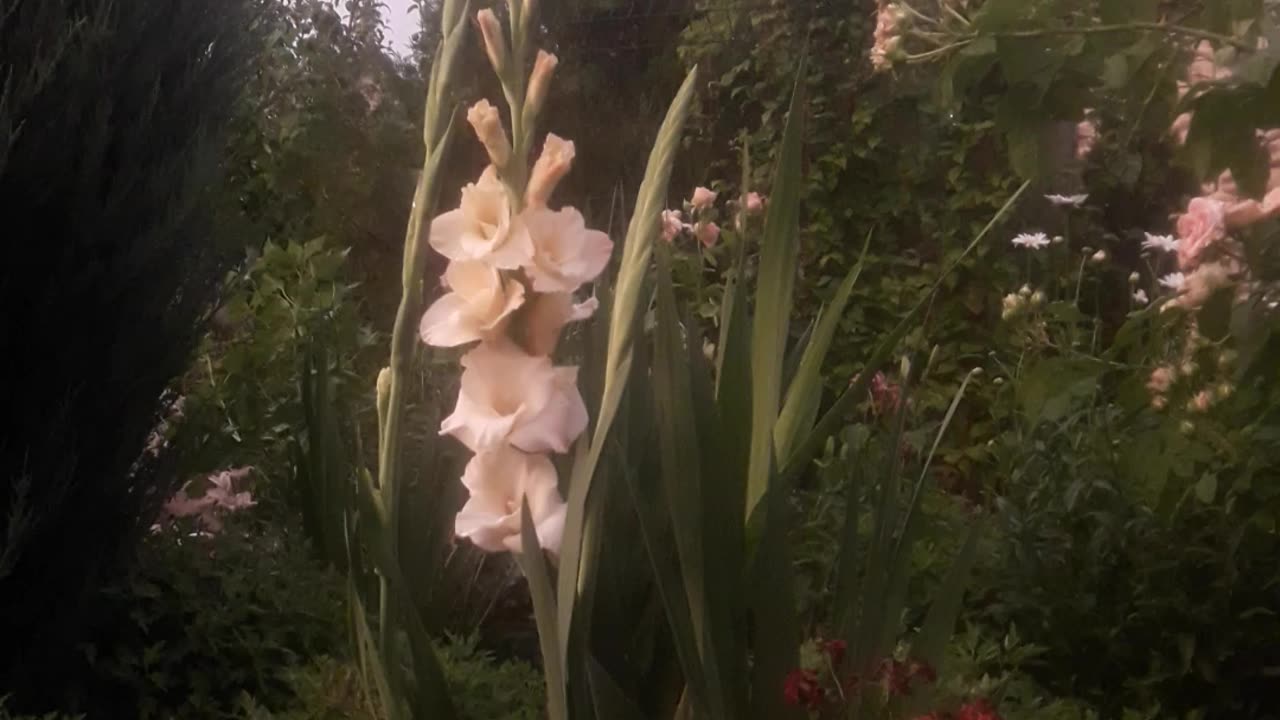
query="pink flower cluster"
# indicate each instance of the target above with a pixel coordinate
(887, 39)
(700, 209)
(515, 268)
(218, 499)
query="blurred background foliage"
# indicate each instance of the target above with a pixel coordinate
(218, 217)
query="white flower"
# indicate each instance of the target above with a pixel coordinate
(565, 253)
(1099, 257)
(477, 306)
(1163, 243)
(1035, 241)
(498, 481)
(508, 397)
(1140, 296)
(481, 228)
(1067, 200)
(1173, 281)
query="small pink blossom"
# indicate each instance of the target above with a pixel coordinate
(708, 233)
(703, 198)
(1161, 380)
(672, 224)
(754, 203)
(1086, 138)
(1200, 227)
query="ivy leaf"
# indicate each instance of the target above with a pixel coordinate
(1117, 12)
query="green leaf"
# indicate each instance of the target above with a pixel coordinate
(1049, 389)
(801, 407)
(772, 598)
(634, 267)
(1207, 488)
(930, 644)
(534, 565)
(777, 275)
(609, 699)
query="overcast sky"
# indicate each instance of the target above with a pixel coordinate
(402, 23)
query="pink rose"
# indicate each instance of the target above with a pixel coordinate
(1202, 225)
(672, 224)
(708, 233)
(702, 198)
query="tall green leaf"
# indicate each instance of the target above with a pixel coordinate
(534, 565)
(636, 252)
(801, 408)
(775, 283)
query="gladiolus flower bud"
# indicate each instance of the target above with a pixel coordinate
(754, 203)
(495, 43)
(539, 81)
(487, 123)
(551, 166)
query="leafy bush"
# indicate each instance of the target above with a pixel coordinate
(116, 247)
(201, 620)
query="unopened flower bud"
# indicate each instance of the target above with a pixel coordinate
(998, 381)
(1224, 390)
(1037, 298)
(709, 350)
(551, 166)
(754, 203)
(1058, 240)
(1025, 291)
(1159, 402)
(1188, 368)
(1099, 257)
(539, 81)
(1227, 358)
(1200, 402)
(495, 43)
(1134, 278)
(487, 123)
(1186, 427)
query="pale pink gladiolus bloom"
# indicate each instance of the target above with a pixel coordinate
(481, 227)
(478, 305)
(754, 203)
(487, 123)
(702, 198)
(509, 397)
(1201, 226)
(547, 315)
(539, 81)
(565, 253)
(499, 481)
(672, 224)
(550, 167)
(708, 233)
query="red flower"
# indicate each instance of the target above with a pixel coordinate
(924, 672)
(895, 679)
(980, 709)
(933, 716)
(835, 650)
(801, 688)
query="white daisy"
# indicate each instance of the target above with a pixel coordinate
(1173, 281)
(1165, 243)
(1140, 297)
(1067, 200)
(1035, 241)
